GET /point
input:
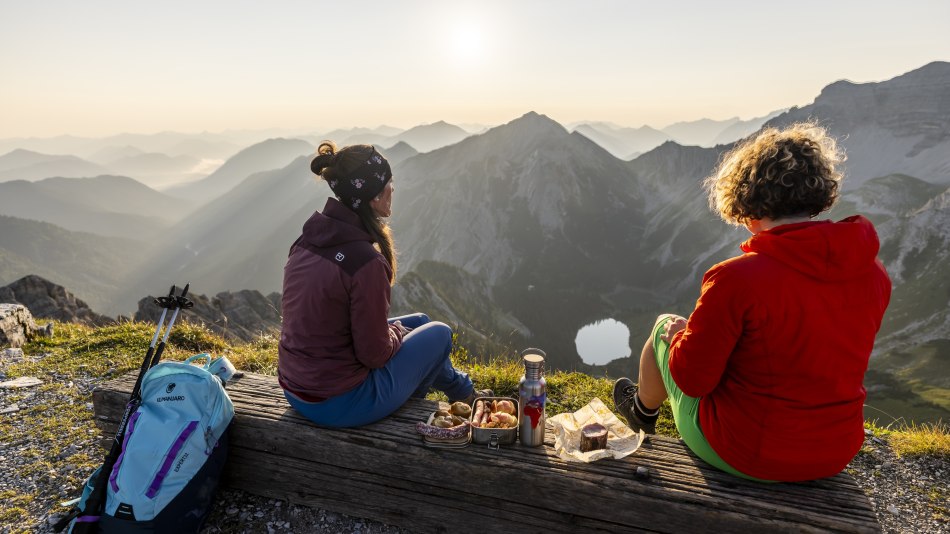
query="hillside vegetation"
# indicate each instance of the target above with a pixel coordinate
(50, 441)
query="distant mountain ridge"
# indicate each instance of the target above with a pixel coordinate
(628, 143)
(398, 153)
(203, 145)
(422, 138)
(30, 166)
(240, 239)
(30, 247)
(624, 143)
(428, 137)
(264, 156)
(113, 206)
(152, 169)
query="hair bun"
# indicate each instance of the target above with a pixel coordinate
(320, 162)
(326, 157)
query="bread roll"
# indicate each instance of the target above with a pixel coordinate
(461, 409)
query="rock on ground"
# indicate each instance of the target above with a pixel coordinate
(16, 325)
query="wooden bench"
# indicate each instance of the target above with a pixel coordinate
(384, 472)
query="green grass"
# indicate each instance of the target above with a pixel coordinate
(77, 351)
(922, 440)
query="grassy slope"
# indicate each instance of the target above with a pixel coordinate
(76, 353)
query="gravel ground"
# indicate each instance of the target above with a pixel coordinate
(904, 491)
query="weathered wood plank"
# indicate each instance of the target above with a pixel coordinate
(278, 453)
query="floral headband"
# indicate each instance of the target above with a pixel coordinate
(364, 183)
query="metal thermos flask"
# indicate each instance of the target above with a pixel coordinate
(532, 396)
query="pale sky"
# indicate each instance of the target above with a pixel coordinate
(95, 68)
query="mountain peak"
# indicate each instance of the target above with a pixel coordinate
(24, 152)
(536, 122)
(401, 145)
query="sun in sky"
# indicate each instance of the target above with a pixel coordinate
(468, 42)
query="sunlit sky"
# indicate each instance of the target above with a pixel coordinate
(95, 68)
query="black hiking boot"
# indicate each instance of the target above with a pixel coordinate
(625, 393)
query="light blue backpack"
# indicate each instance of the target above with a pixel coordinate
(174, 450)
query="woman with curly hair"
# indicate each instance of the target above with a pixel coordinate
(341, 362)
(765, 377)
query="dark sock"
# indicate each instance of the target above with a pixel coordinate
(647, 416)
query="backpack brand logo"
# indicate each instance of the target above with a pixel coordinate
(170, 399)
(339, 256)
(170, 388)
(181, 461)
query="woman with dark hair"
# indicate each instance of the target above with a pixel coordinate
(341, 362)
(765, 377)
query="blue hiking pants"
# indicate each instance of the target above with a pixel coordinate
(422, 362)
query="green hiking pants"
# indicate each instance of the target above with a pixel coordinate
(686, 408)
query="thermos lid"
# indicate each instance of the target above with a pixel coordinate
(533, 358)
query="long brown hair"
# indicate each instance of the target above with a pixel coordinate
(335, 164)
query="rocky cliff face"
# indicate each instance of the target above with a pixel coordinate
(900, 125)
(50, 301)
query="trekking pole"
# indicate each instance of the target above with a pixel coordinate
(165, 303)
(180, 303)
(87, 519)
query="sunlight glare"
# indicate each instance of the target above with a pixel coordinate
(468, 43)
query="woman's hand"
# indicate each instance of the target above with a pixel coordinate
(672, 327)
(402, 329)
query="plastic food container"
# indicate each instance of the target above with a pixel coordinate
(494, 437)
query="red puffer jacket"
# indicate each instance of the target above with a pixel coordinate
(335, 306)
(778, 345)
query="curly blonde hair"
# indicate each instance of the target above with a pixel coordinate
(776, 174)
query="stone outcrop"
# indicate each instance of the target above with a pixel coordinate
(241, 315)
(51, 301)
(17, 325)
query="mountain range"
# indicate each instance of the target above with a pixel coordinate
(106, 205)
(526, 232)
(422, 138)
(264, 156)
(628, 143)
(27, 165)
(90, 265)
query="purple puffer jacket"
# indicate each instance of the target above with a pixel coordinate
(335, 305)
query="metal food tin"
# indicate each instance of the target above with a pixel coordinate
(494, 437)
(456, 443)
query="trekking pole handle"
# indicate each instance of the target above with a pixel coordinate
(182, 301)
